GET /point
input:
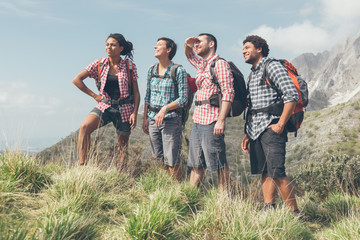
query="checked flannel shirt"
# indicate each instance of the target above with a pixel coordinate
(161, 91)
(206, 114)
(126, 109)
(261, 96)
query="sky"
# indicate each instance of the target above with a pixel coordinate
(45, 43)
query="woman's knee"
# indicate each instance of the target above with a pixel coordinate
(90, 124)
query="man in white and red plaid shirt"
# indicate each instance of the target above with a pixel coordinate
(207, 145)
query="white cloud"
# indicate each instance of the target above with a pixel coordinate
(295, 39)
(334, 21)
(19, 95)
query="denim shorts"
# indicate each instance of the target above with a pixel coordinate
(113, 115)
(267, 154)
(166, 140)
(205, 149)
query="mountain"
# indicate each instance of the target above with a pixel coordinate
(332, 76)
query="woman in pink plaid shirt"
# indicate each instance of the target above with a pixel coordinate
(118, 98)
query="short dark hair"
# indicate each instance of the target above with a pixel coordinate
(210, 38)
(128, 47)
(169, 44)
(258, 43)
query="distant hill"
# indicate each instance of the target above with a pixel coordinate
(332, 122)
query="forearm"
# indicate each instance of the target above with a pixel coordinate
(287, 111)
(224, 110)
(188, 51)
(170, 106)
(146, 107)
(136, 98)
(79, 83)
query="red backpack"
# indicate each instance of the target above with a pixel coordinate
(297, 116)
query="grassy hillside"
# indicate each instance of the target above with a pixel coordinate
(48, 196)
(329, 131)
(54, 201)
(333, 130)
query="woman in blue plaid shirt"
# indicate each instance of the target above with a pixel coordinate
(164, 100)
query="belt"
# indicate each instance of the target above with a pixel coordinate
(127, 100)
(157, 109)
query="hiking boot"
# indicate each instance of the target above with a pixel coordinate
(298, 215)
(268, 206)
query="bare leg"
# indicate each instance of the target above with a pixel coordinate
(224, 179)
(123, 150)
(196, 176)
(90, 124)
(269, 189)
(176, 172)
(286, 190)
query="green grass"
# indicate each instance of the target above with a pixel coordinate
(54, 201)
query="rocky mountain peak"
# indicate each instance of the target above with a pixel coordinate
(332, 76)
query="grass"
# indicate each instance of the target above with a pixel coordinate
(54, 201)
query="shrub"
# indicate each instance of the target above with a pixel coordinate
(334, 208)
(154, 219)
(339, 173)
(223, 217)
(348, 228)
(68, 226)
(23, 171)
(82, 189)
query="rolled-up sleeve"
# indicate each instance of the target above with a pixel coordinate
(282, 80)
(183, 86)
(196, 61)
(225, 79)
(92, 68)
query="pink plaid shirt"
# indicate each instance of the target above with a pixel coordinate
(126, 109)
(206, 114)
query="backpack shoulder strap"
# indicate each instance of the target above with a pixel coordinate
(173, 77)
(129, 68)
(265, 77)
(100, 67)
(152, 74)
(153, 68)
(213, 77)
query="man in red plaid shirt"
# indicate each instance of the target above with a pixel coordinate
(207, 145)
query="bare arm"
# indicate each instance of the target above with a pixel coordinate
(79, 82)
(219, 127)
(189, 45)
(133, 116)
(145, 120)
(161, 114)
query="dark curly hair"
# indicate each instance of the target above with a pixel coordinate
(128, 47)
(169, 44)
(258, 43)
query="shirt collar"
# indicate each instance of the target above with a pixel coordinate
(212, 58)
(107, 61)
(259, 65)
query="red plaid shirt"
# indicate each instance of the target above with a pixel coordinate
(206, 114)
(126, 109)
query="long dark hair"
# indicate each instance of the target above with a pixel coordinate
(128, 46)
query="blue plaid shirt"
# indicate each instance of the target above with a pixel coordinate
(261, 96)
(161, 91)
